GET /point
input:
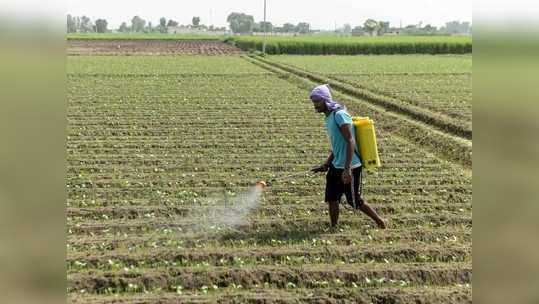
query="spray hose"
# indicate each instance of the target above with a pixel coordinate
(283, 178)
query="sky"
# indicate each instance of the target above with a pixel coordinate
(320, 14)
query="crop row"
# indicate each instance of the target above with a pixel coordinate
(376, 293)
(228, 239)
(158, 67)
(139, 260)
(278, 276)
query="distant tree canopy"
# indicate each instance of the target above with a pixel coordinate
(137, 24)
(123, 28)
(241, 23)
(371, 26)
(172, 23)
(86, 25)
(162, 27)
(71, 24)
(101, 26)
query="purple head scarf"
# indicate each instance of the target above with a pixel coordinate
(323, 92)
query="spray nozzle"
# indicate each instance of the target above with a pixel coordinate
(262, 184)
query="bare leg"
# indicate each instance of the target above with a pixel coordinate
(334, 213)
(366, 208)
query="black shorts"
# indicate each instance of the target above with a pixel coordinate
(335, 187)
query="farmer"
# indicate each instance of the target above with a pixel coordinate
(343, 165)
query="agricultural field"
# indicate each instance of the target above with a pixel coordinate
(141, 36)
(441, 84)
(169, 46)
(162, 155)
(334, 45)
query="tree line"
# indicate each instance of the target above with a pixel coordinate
(241, 23)
(137, 25)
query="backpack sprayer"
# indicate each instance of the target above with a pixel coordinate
(366, 142)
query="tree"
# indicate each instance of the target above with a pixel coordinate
(86, 24)
(77, 23)
(196, 21)
(150, 27)
(162, 25)
(303, 27)
(429, 29)
(370, 26)
(163, 22)
(172, 23)
(71, 25)
(101, 25)
(383, 27)
(123, 28)
(289, 28)
(137, 24)
(240, 23)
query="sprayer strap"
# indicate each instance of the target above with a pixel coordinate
(338, 127)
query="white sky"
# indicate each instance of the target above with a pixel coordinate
(320, 14)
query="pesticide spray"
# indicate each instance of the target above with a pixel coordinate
(232, 211)
(237, 209)
(229, 211)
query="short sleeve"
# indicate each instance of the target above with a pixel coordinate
(342, 117)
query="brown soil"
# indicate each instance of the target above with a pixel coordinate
(278, 276)
(149, 47)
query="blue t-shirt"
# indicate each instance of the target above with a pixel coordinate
(338, 145)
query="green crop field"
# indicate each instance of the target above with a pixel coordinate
(328, 45)
(162, 149)
(441, 83)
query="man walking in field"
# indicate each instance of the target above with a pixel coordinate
(343, 165)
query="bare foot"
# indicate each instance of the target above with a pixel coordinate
(382, 224)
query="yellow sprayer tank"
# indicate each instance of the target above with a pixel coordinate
(366, 142)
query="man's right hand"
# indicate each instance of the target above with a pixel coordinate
(321, 168)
